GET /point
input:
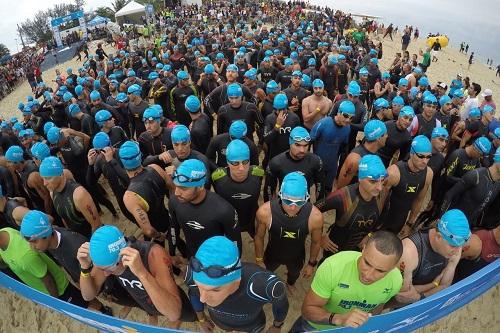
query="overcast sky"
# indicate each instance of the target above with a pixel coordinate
(17, 11)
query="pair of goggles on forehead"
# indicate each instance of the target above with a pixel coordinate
(293, 202)
(298, 138)
(183, 179)
(213, 271)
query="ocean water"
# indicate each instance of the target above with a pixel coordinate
(476, 22)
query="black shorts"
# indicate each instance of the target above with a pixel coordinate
(74, 296)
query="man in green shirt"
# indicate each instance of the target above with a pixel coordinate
(351, 286)
(33, 268)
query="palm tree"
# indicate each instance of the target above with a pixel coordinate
(3, 50)
(119, 4)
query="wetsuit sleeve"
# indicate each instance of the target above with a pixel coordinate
(254, 154)
(8, 183)
(316, 130)
(249, 97)
(470, 179)
(231, 226)
(259, 120)
(451, 167)
(193, 291)
(211, 100)
(334, 201)
(272, 178)
(120, 172)
(319, 179)
(92, 174)
(212, 150)
(267, 286)
(269, 133)
(360, 126)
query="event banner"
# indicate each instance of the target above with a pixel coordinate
(403, 320)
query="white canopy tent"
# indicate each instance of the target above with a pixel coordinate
(131, 13)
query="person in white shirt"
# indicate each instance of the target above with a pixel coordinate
(472, 101)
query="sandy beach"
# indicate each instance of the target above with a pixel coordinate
(482, 315)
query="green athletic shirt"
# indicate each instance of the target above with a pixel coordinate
(30, 265)
(337, 279)
(426, 60)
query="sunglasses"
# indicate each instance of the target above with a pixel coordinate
(237, 163)
(423, 156)
(431, 105)
(185, 179)
(213, 271)
(347, 116)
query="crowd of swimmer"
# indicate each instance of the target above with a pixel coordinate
(188, 116)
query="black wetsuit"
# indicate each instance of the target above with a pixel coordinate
(242, 310)
(218, 97)
(310, 166)
(131, 283)
(361, 151)
(277, 139)
(65, 252)
(473, 194)
(201, 133)
(299, 94)
(213, 216)
(117, 136)
(178, 96)
(430, 263)
(7, 218)
(457, 164)
(216, 150)
(136, 112)
(287, 236)
(88, 125)
(247, 112)
(357, 122)
(7, 182)
(397, 139)
(35, 201)
(354, 217)
(284, 79)
(66, 209)
(117, 178)
(425, 127)
(244, 196)
(401, 198)
(151, 188)
(152, 146)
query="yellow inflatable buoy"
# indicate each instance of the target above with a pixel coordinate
(443, 40)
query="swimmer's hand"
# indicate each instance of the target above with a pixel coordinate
(131, 258)
(206, 325)
(327, 244)
(83, 256)
(308, 271)
(354, 318)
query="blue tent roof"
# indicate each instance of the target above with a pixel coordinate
(98, 20)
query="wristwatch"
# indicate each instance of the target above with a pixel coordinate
(312, 263)
(87, 270)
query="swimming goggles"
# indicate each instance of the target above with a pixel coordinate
(294, 202)
(236, 163)
(185, 179)
(298, 138)
(213, 271)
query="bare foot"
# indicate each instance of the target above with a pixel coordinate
(153, 320)
(291, 289)
(124, 312)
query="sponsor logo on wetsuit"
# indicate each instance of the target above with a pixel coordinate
(412, 188)
(132, 284)
(195, 225)
(241, 196)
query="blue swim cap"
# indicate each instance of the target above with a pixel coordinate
(288, 62)
(430, 99)
(51, 167)
(496, 133)
(14, 154)
(353, 88)
(458, 94)
(232, 68)
(218, 251)
(294, 186)
(488, 109)
(102, 116)
(332, 60)
(122, 97)
(97, 84)
(406, 111)
(439, 132)
(380, 103)
(297, 73)
(167, 68)
(20, 106)
(190, 173)
(135, 89)
(374, 61)
(371, 166)
(36, 225)
(238, 129)
(95, 95)
(347, 107)
(386, 75)
(421, 145)
(424, 81)
(280, 102)
(483, 145)
(374, 129)
(298, 134)
(47, 95)
(403, 82)
(105, 245)
(474, 113)
(152, 113)
(40, 151)
(306, 81)
(67, 96)
(130, 155)
(29, 98)
(180, 133)
(251, 74)
(17, 127)
(454, 227)
(159, 66)
(496, 156)
(74, 109)
(192, 104)
(131, 73)
(153, 76)
(220, 56)
(445, 99)
(209, 69)
(234, 90)
(363, 71)
(311, 62)
(271, 87)
(237, 150)
(398, 100)
(182, 75)
(318, 83)
(79, 90)
(47, 126)
(101, 141)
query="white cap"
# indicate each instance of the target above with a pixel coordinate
(487, 93)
